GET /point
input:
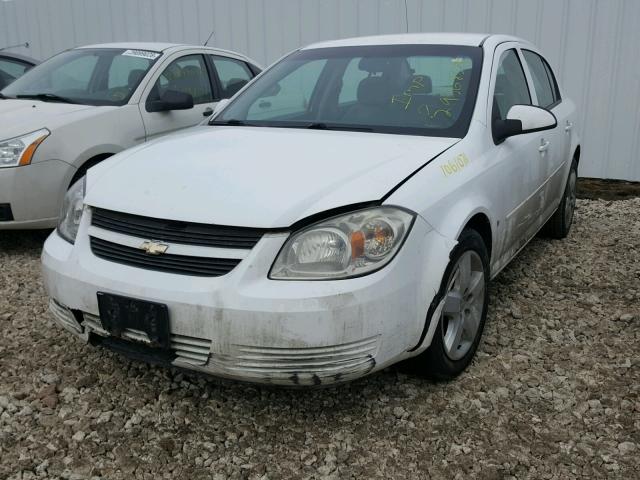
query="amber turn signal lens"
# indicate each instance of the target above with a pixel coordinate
(357, 244)
(30, 150)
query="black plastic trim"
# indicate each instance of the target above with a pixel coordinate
(169, 263)
(175, 231)
(6, 215)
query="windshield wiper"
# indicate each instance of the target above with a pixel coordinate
(325, 126)
(47, 97)
(4, 97)
(233, 122)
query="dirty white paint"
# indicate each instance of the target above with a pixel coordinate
(591, 43)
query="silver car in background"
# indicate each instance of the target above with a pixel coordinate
(86, 104)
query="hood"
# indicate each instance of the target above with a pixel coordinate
(18, 117)
(256, 177)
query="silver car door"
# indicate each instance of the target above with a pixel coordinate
(186, 73)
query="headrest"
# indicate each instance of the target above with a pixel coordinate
(373, 91)
(421, 84)
(134, 77)
(191, 71)
(374, 64)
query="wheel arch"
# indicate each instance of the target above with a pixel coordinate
(89, 162)
(480, 223)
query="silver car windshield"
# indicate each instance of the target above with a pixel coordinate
(406, 89)
(101, 76)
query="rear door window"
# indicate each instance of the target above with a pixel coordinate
(233, 74)
(541, 81)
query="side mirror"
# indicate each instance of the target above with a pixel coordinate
(171, 100)
(523, 119)
(220, 106)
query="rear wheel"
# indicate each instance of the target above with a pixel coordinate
(559, 224)
(461, 312)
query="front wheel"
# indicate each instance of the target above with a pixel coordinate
(461, 312)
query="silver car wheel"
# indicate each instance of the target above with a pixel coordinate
(463, 305)
(570, 199)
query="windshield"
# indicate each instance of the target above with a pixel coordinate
(85, 76)
(406, 89)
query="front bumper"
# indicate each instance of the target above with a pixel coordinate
(35, 193)
(244, 326)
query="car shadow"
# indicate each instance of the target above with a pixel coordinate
(22, 241)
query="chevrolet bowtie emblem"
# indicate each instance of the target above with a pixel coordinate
(154, 248)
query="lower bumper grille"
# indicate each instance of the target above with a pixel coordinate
(191, 349)
(300, 366)
(179, 264)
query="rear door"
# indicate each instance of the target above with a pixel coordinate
(186, 72)
(546, 95)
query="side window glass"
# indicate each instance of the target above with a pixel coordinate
(13, 69)
(511, 85)
(291, 96)
(552, 80)
(350, 82)
(187, 74)
(233, 74)
(125, 72)
(540, 78)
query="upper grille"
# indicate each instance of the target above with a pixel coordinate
(180, 264)
(187, 233)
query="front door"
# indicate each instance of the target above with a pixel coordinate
(187, 74)
(521, 157)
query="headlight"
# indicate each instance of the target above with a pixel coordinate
(71, 213)
(346, 246)
(19, 151)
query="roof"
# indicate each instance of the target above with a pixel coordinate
(438, 38)
(152, 46)
(163, 47)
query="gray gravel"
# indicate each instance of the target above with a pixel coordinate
(553, 393)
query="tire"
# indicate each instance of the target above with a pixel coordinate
(462, 320)
(559, 224)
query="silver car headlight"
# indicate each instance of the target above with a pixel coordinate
(19, 151)
(345, 246)
(71, 213)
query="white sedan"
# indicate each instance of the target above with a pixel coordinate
(346, 211)
(86, 104)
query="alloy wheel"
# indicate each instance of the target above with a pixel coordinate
(463, 305)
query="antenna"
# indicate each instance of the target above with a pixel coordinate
(209, 38)
(26, 45)
(406, 17)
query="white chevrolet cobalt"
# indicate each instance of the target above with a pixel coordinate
(344, 212)
(86, 104)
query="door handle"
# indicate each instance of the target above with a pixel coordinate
(207, 112)
(568, 126)
(543, 145)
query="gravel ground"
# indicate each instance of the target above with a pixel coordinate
(554, 391)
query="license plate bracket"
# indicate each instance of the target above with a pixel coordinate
(118, 313)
